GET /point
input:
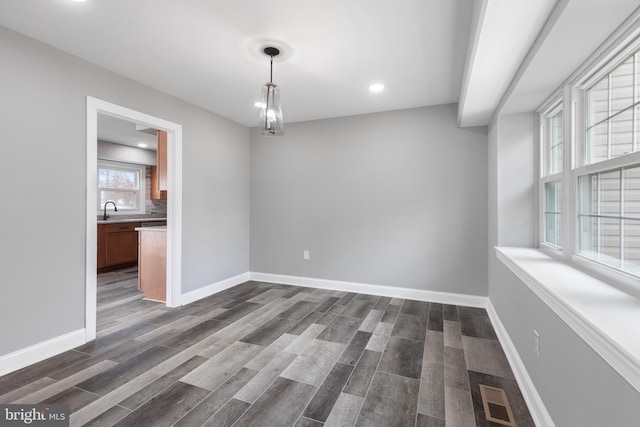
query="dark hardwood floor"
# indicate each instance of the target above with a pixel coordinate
(271, 355)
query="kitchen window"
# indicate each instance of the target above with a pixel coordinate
(122, 183)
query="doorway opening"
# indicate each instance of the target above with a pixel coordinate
(173, 206)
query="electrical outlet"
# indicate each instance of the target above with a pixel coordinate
(305, 255)
(536, 343)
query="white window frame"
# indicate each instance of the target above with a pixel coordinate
(572, 96)
(553, 108)
(141, 170)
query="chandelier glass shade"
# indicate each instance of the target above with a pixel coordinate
(271, 120)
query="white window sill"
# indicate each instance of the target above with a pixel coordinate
(605, 317)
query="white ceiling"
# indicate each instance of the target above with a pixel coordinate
(208, 52)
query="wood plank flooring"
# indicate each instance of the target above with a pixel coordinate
(264, 354)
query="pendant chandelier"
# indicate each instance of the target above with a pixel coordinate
(271, 121)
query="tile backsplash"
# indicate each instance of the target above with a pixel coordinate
(153, 207)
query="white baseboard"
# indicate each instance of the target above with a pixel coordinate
(213, 288)
(365, 288)
(41, 351)
(537, 409)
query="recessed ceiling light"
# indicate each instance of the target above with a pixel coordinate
(79, 1)
(377, 87)
(141, 145)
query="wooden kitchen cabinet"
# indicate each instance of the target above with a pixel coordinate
(117, 245)
(152, 263)
(162, 161)
(156, 194)
(102, 246)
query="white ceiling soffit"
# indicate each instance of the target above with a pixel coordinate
(577, 32)
(502, 32)
(113, 129)
(209, 52)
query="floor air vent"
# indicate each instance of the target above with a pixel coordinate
(496, 406)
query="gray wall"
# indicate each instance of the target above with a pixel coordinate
(515, 176)
(577, 386)
(396, 198)
(42, 117)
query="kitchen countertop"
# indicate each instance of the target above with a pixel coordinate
(115, 220)
(156, 228)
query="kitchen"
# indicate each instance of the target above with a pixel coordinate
(132, 202)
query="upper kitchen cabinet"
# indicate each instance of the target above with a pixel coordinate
(159, 172)
(162, 161)
(156, 194)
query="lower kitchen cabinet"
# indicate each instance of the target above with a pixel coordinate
(102, 246)
(117, 245)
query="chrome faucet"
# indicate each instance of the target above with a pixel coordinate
(106, 215)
